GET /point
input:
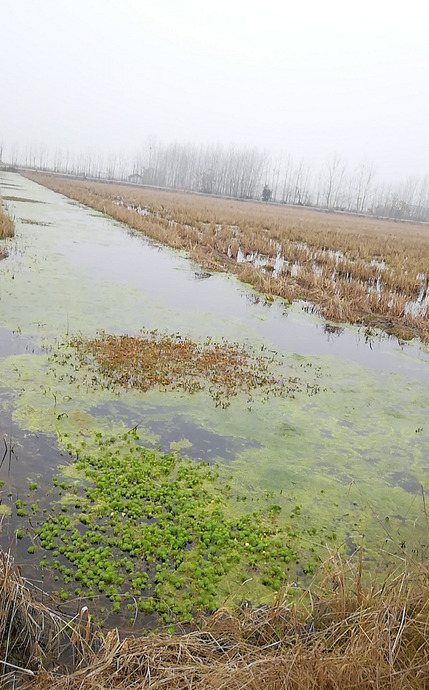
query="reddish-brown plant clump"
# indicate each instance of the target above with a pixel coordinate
(171, 362)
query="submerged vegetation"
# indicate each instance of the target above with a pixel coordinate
(171, 362)
(357, 270)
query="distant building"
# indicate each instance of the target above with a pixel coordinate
(135, 178)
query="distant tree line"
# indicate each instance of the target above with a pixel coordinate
(243, 173)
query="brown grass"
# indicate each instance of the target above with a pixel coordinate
(341, 635)
(34, 636)
(327, 249)
(7, 226)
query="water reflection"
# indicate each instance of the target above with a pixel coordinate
(17, 343)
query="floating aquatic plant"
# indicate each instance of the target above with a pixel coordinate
(154, 530)
(172, 362)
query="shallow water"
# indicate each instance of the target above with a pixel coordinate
(353, 455)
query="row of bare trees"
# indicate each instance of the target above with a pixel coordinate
(210, 170)
(242, 173)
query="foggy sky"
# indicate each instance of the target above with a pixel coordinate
(308, 77)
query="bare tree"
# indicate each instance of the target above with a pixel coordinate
(301, 185)
(361, 185)
(332, 177)
(14, 155)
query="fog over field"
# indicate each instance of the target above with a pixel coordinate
(306, 79)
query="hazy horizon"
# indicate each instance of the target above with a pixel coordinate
(311, 81)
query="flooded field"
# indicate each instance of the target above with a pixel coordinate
(339, 461)
(360, 270)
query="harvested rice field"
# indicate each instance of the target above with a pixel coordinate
(352, 269)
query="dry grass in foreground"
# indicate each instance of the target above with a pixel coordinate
(343, 635)
(34, 636)
(7, 228)
(358, 270)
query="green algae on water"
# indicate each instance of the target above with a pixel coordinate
(348, 473)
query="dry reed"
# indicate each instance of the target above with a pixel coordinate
(341, 634)
(34, 637)
(7, 226)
